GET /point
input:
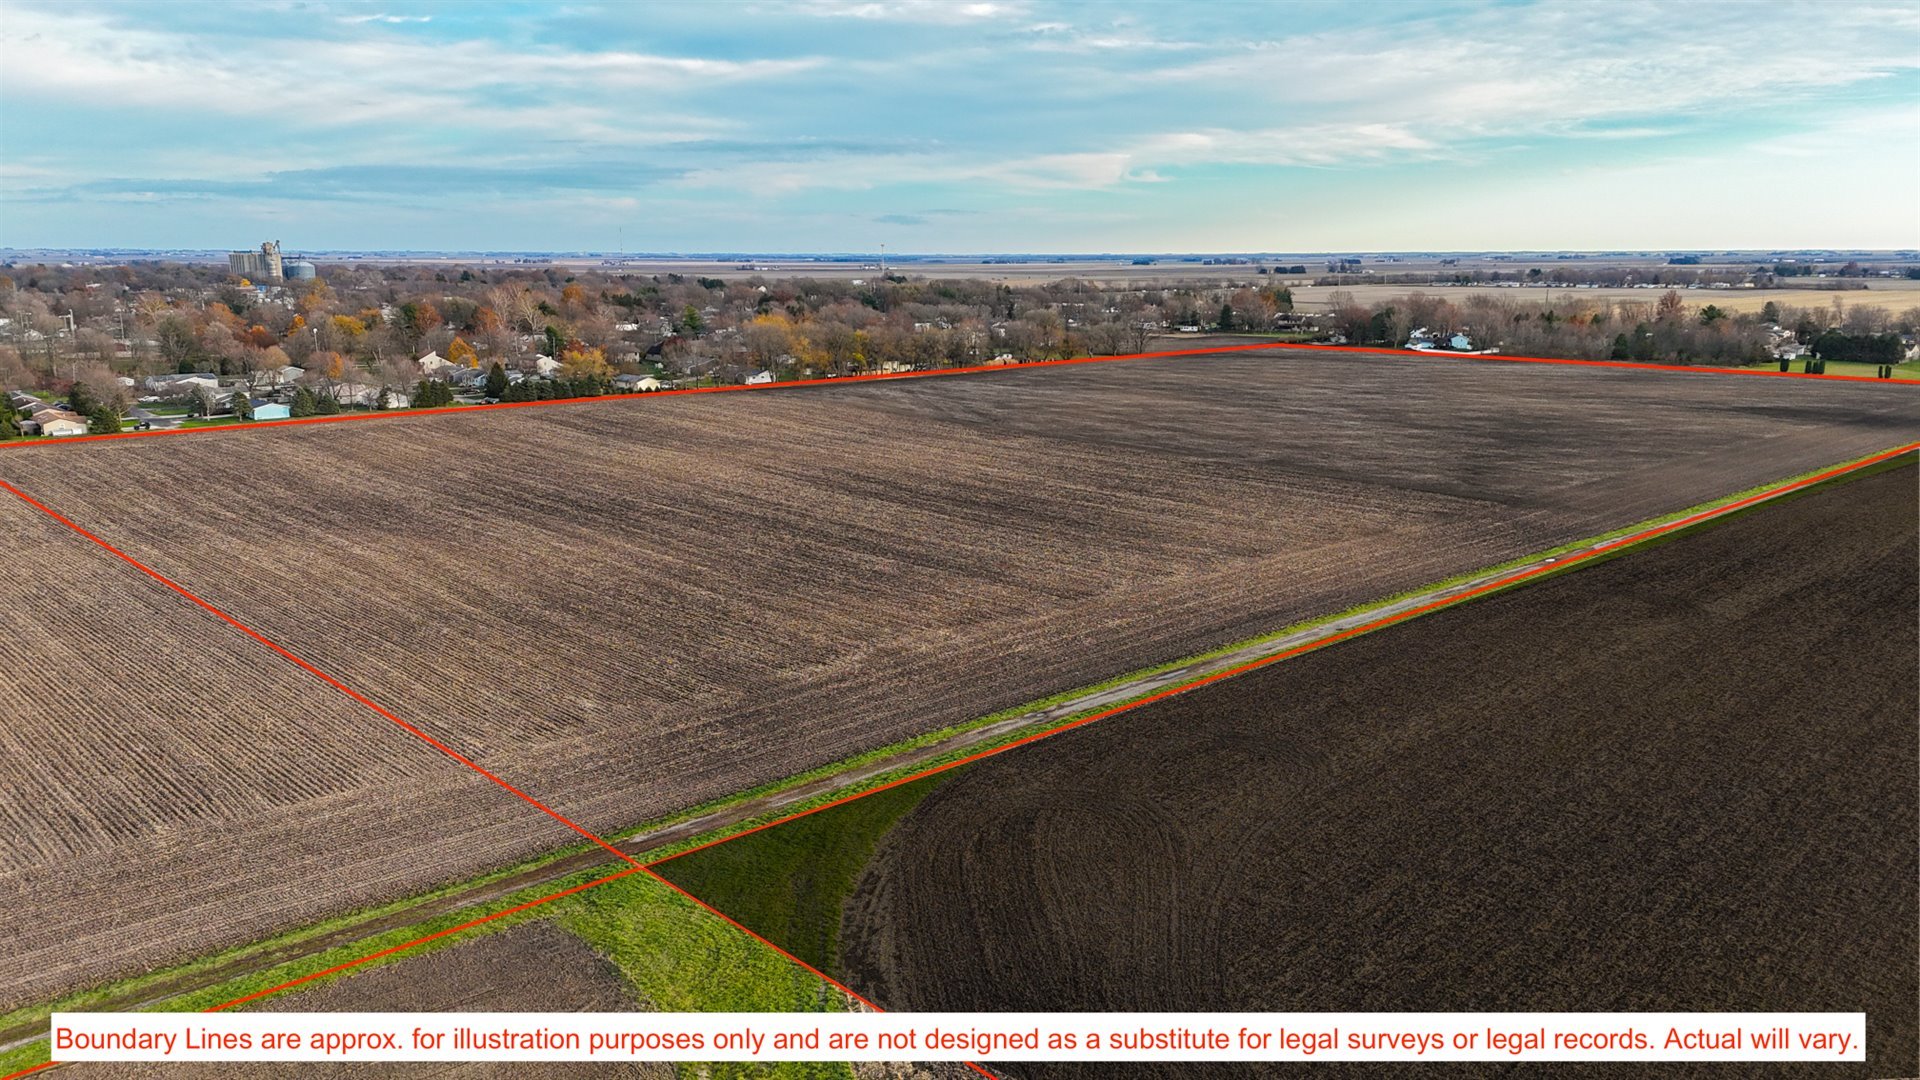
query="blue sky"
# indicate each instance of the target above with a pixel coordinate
(966, 126)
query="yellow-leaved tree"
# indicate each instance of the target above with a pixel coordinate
(579, 362)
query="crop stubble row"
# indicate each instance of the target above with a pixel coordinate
(628, 607)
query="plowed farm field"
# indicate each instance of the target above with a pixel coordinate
(630, 606)
(531, 968)
(1683, 779)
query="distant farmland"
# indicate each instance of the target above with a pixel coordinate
(1681, 780)
(627, 607)
(1894, 294)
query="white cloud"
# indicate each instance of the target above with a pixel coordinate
(366, 79)
(921, 11)
(389, 19)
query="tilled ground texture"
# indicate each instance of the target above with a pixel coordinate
(531, 968)
(1683, 779)
(164, 780)
(627, 607)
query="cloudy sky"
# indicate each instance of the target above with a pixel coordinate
(990, 126)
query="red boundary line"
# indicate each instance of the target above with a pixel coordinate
(1343, 635)
(635, 867)
(394, 414)
(312, 670)
(648, 868)
(448, 932)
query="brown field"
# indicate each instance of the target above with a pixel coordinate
(161, 777)
(1684, 779)
(627, 607)
(531, 968)
(1894, 294)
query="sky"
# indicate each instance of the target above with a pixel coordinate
(965, 126)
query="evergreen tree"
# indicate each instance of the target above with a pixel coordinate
(1226, 317)
(242, 405)
(103, 419)
(303, 403)
(9, 417)
(432, 394)
(80, 399)
(1622, 348)
(497, 382)
(326, 404)
(556, 342)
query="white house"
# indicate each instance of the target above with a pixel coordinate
(58, 423)
(353, 393)
(182, 385)
(637, 383)
(760, 378)
(545, 365)
(433, 363)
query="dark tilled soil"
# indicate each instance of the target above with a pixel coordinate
(1684, 779)
(531, 968)
(628, 607)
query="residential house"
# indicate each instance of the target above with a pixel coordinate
(59, 423)
(433, 364)
(183, 385)
(280, 376)
(637, 383)
(760, 378)
(271, 410)
(546, 366)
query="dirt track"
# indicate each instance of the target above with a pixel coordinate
(1681, 780)
(631, 606)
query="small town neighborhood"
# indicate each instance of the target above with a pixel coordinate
(101, 348)
(200, 398)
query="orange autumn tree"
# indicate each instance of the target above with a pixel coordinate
(461, 353)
